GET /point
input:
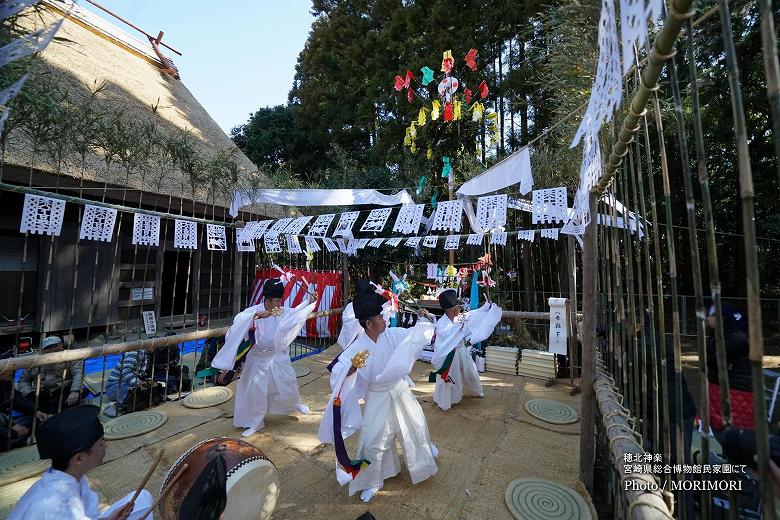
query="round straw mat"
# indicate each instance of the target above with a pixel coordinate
(212, 396)
(302, 371)
(550, 411)
(21, 464)
(532, 499)
(134, 424)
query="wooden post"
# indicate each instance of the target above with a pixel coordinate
(345, 271)
(589, 288)
(237, 276)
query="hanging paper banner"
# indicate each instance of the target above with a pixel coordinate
(432, 271)
(254, 230)
(430, 241)
(549, 206)
(216, 240)
(185, 234)
(633, 26)
(293, 244)
(296, 226)
(321, 225)
(346, 221)
(150, 323)
(146, 230)
(330, 245)
(376, 220)
(448, 216)
(491, 212)
(279, 226)
(526, 234)
(590, 172)
(551, 233)
(559, 328)
(393, 242)
(352, 247)
(271, 243)
(408, 220)
(42, 215)
(475, 239)
(243, 245)
(452, 242)
(376, 242)
(412, 242)
(498, 238)
(342, 245)
(311, 244)
(97, 223)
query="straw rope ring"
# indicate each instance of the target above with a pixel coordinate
(134, 424)
(212, 396)
(21, 464)
(302, 371)
(550, 411)
(531, 499)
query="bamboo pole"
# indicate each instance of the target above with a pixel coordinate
(772, 71)
(755, 333)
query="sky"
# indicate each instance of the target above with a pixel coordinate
(237, 56)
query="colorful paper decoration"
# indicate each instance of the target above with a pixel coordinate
(311, 244)
(526, 234)
(146, 230)
(430, 241)
(408, 220)
(421, 183)
(450, 271)
(482, 89)
(435, 109)
(293, 244)
(477, 111)
(346, 221)
(43, 215)
(376, 242)
(471, 59)
(446, 169)
(435, 196)
(393, 242)
(330, 245)
(244, 245)
(216, 239)
(412, 242)
(467, 94)
(97, 223)
(421, 117)
(448, 216)
(447, 62)
(321, 225)
(551, 233)
(376, 220)
(474, 239)
(296, 226)
(491, 211)
(549, 206)
(456, 110)
(399, 83)
(452, 242)
(447, 87)
(498, 238)
(271, 243)
(185, 234)
(448, 114)
(432, 270)
(427, 75)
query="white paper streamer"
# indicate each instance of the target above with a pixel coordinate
(97, 223)
(185, 234)
(376, 220)
(216, 239)
(321, 225)
(408, 220)
(448, 216)
(452, 242)
(346, 221)
(146, 230)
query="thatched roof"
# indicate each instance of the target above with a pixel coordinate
(90, 51)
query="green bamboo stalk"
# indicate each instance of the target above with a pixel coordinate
(771, 71)
(756, 336)
(631, 347)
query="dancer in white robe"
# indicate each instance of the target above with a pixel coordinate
(391, 410)
(268, 384)
(453, 330)
(73, 439)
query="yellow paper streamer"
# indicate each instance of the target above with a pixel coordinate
(435, 110)
(456, 110)
(421, 119)
(429, 153)
(445, 56)
(477, 111)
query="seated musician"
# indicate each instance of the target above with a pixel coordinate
(73, 440)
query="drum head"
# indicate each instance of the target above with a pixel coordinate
(252, 490)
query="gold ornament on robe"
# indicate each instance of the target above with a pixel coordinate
(360, 359)
(277, 311)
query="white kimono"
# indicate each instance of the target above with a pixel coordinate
(268, 384)
(391, 410)
(477, 325)
(59, 496)
(350, 326)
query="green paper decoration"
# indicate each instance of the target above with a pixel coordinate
(446, 169)
(421, 184)
(427, 75)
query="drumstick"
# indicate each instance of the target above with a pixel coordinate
(166, 489)
(147, 477)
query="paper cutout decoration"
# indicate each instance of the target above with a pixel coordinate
(352, 248)
(551, 233)
(498, 238)
(393, 242)
(346, 221)
(447, 87)
(474, 240)
(185, 234)
(526, 234)
(421, 184)
(408, 219)
(482, 89)
(412, 242)
(427, 75)
(296, 226)
(279, 226)
(42, 215)
(342, 245)
(432, 271)
(330, 245)
(244, 245)
(376, 242)
(271, 242)
(146, 230)
(254, 230)
(422, 117)
(549, 206)
(633, 26)
(376, 219)
(448, 216)
(293, 244)
(362, 242)
(321, 225)
(491, 211)
(452, 242)
(97, 223)
(606, 90)
(430, 241)
(447, 62)
(590, 172)
(448, 113)
(311, 244)
(216, 240)
(446, 169)
(477, 111)
(471, 59)
(435, 109)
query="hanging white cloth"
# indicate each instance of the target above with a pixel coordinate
(59, 496)
(515, 169)
(391, 410)
(339, 197)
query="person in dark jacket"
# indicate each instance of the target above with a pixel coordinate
(14, 430)
(739, 373)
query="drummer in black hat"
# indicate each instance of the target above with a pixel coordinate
(73, 440)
